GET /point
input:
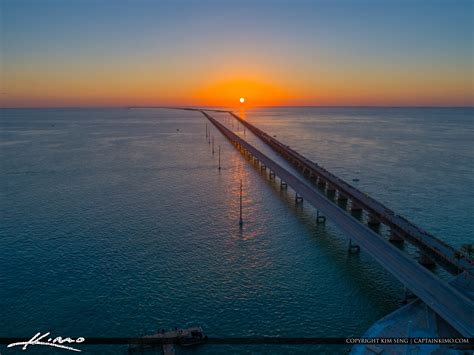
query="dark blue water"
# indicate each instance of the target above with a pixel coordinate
(117, 222)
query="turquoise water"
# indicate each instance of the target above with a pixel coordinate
(117, 222)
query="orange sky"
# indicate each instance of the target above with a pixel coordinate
(77, 53)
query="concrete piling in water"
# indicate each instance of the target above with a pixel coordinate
(341, 197)
(320, 219)
(355, 207)
(353, 248)
(298, 199)
(373, 220)
(330, 189)
(408, 296)
(395, 237)
(426, 261)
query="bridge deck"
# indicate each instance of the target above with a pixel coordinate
(401, 226)
(444, 299)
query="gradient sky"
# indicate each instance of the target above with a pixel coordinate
(143, 52)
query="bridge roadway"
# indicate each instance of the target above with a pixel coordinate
(400, 227)
(444, 299)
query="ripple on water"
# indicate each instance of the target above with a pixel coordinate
(129, 227)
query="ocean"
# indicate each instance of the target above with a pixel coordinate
(117, 222)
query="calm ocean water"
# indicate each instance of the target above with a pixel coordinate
(117, 222)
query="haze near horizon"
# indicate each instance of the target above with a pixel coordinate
(212, 53)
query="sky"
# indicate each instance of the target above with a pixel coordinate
(90, 53)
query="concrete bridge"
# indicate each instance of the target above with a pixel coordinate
(453, 306)
(432, 249)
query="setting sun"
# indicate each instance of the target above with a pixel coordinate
(242, 100)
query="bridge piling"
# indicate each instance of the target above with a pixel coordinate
(426, 261)
(355, 207)
(341, 197)
(353, 248)
(408, 296)
(395, 237)
(320, 219)
(283, 185)
(373, 220)
(298, 199)
(330, 189)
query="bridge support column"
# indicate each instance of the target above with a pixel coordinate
(355, 207)
(395, 237)
(426, 261)
(263, 166)
(320, 219)
(353, 248)
(298, 199)
(331, 190)
(321, 182)
(283, 185)
(409, 296)
(272, 175)
(341, 197)
(373, 220)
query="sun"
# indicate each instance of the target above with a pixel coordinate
(242, 100)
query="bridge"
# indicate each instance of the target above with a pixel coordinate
(432, 248)
(448, 302)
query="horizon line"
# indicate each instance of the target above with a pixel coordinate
(233, 107)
